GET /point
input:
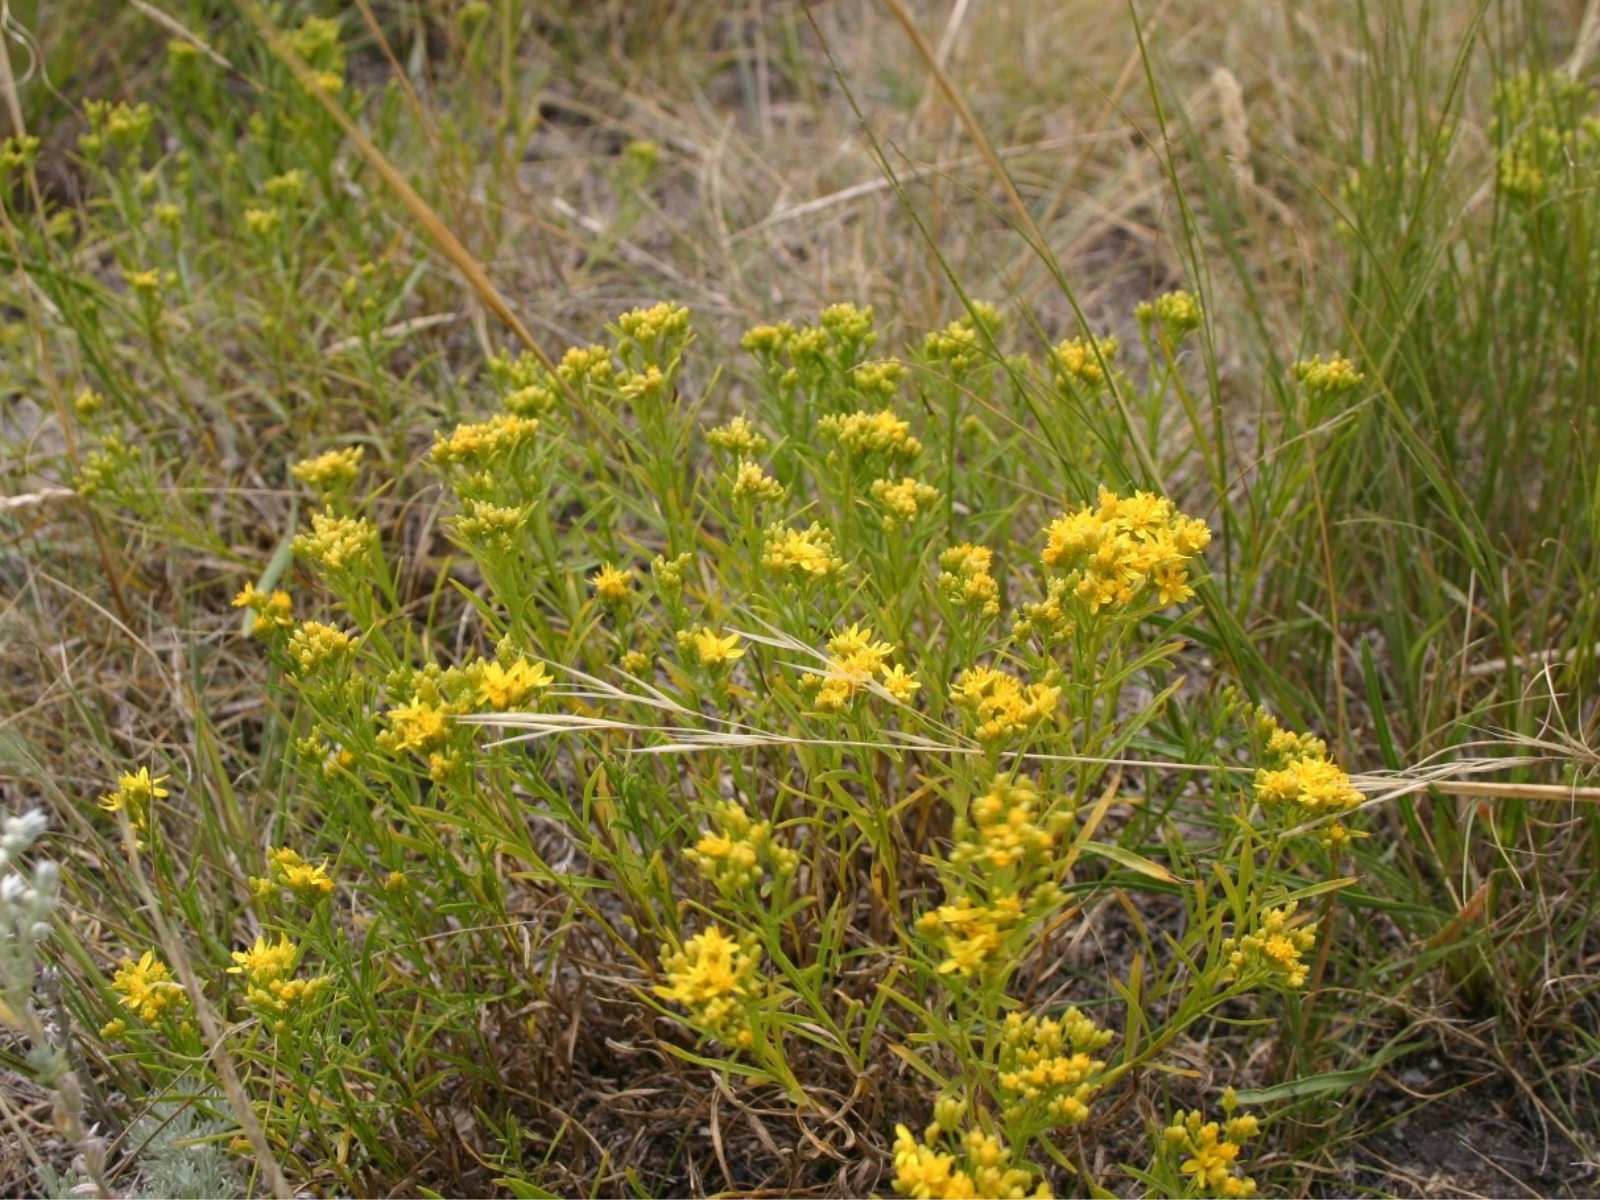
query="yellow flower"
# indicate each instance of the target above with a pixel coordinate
(1001, 704)
(710, 649)
(1213, 1151)
(417, 725)
(871, 433)
(272, 611)
(613, 585)
(313, 645)
(1277, 947)
(732, 856)
(271, 989)
(903, 500)
(136, 795)
(804, 552)
(291, 871)
(1112, 551)
(998, 830)
(738, 437)
(147, 988)
(965, 578)
(265, 961)
(492, 524)
(749, 482)
(899, 683)
(476, 444)
(502, 688)
(1326, 380)
(1080, 360)
(330, 473)
(1045, 1069)
(715, 978)
(336, 542)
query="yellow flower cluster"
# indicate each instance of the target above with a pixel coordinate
(854, 660)
(658, 322)
(731, 857)
(983, 1168)
(1213, 1150)
(862, 434)
(336, 542)
(1302, 778)
(972, 935)
(748, 482)
(965, 578)
(849, 324)
(807, 553)
(1327, 380)
(491, 525)
(504, 686)
(902, 501)
(477, 443)
(1113, 551)
(271, 986)
(1047, 1074)
(146, 989)
(1178, 313)
(330, 473)
(592, 365)
(960, 345)
(738, 438)
(136, 795)
(712, 650)
(272, 611)
(1083, 361)
(613, 586)
(998, 830)
(648, 384)
(418, 725)
(313, 645)
(286, 869)
(881, 378)
(123, 125)
(1001, 704)
(1276, 946)
(1542, 142)
(715, 978)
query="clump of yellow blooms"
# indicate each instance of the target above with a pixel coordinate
(336, 542)
(731, 857)
(1121, 550)
(807, 553)
(1178, 314)
(1083, 361)
(748, 482)
(1213, 1150)
(998, 829)
(1047, 1075)
(658, 322)
(504, 686)
(272, 611)
(865, 434)
(331, 473)
(1327, 380)
(418, 725)
(591, 365)
(1009, 855)
(1275, 947)
(716, 978)
(478, 443)
(712, 650)
(123, 125)
(1001, 704)
(738, 438)
(271, 987)
(904, 500)
(981, 1167)
(147, 990)
(964, 577)
(613, 586)
(855, 659)
(314, 644)
(960, 345)
(287, 870)
(491, 525)
(881, 378)
(1300, 778)
(136, 795)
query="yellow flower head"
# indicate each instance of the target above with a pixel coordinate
(965, 578)
(738, 438)
(715, 978)
(507, 687)
(712, 650)
(750, 483)
(314, 645)
(305, 880)
(613, 585)
(1001, 704)
(330, 473)
(147, 989)
(863, 434)
(273, 611)
(337, 542)
(807, 553)
(1083, 361)
(904, 500)
(417, 725)
(136, 795)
